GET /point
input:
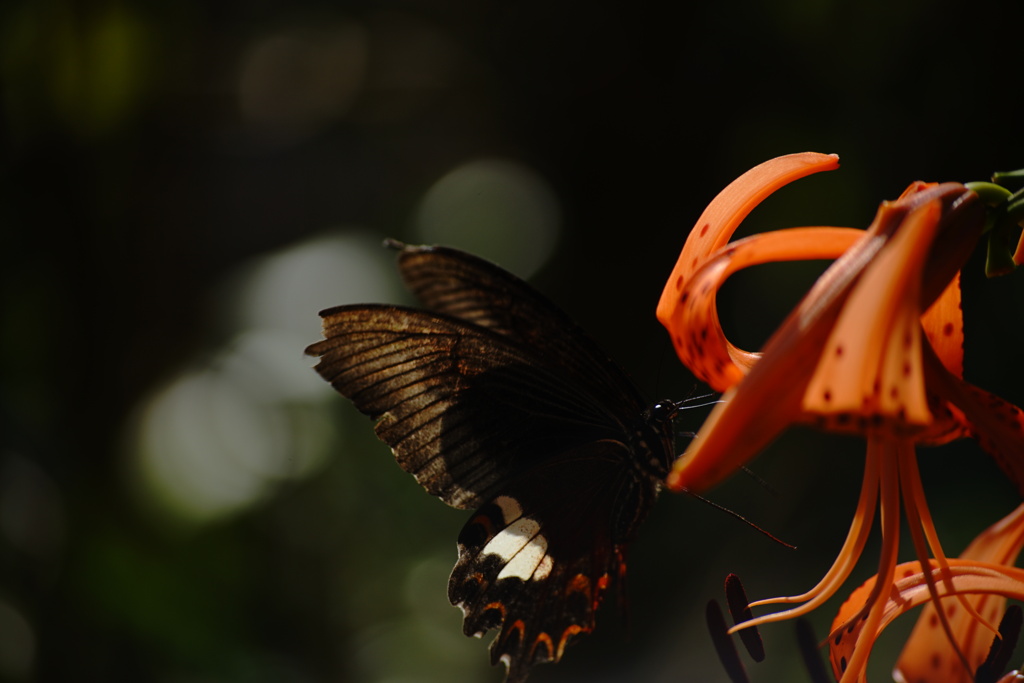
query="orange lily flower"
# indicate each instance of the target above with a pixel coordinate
(874, 348)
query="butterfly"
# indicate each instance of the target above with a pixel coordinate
(495, 401)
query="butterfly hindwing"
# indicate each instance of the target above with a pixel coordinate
(495, 400)
(537, 561)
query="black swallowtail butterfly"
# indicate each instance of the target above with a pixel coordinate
(496, 401)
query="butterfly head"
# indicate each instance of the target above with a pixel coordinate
(663, 411)
(655, 442)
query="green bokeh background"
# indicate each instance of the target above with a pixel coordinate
(154, 154)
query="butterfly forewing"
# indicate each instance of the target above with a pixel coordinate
(495, 400)
(475, 290)
(462, 409)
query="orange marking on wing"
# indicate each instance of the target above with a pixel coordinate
(566, 635)
(517, 625)
(543, 639)
(500, 607)
(580, 583)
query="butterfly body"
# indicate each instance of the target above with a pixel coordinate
(495, 401)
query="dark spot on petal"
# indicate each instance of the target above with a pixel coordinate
(704, 229)
(684, 296)
(827, 396)
(936, 661)
(679, 283)
(947, 329)
(839, 350)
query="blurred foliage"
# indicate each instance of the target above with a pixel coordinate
(151, 153)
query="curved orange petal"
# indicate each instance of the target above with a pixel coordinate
(721, 217)
(943, 324)
(750, 415)
(999, 544)
(877, 289)
(696, 331)
(909, 590)
(997, 424)
(871, 364)
(774, 392)
(872, 367)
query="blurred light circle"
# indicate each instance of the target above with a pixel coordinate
(221, 437)
(498, 209)
(269, 363)
(294, 82)
(205, 450)
(286, 290)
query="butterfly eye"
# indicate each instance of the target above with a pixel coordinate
(664, 411)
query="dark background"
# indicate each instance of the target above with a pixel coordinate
(185, 184)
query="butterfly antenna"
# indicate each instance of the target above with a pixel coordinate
(740, 517)
(691, 402)
(699, 405)
(763, 483)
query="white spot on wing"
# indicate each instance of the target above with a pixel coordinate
(520, 545)
(544, 568)
(512, 538)
(526, 561)
(510, 508)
